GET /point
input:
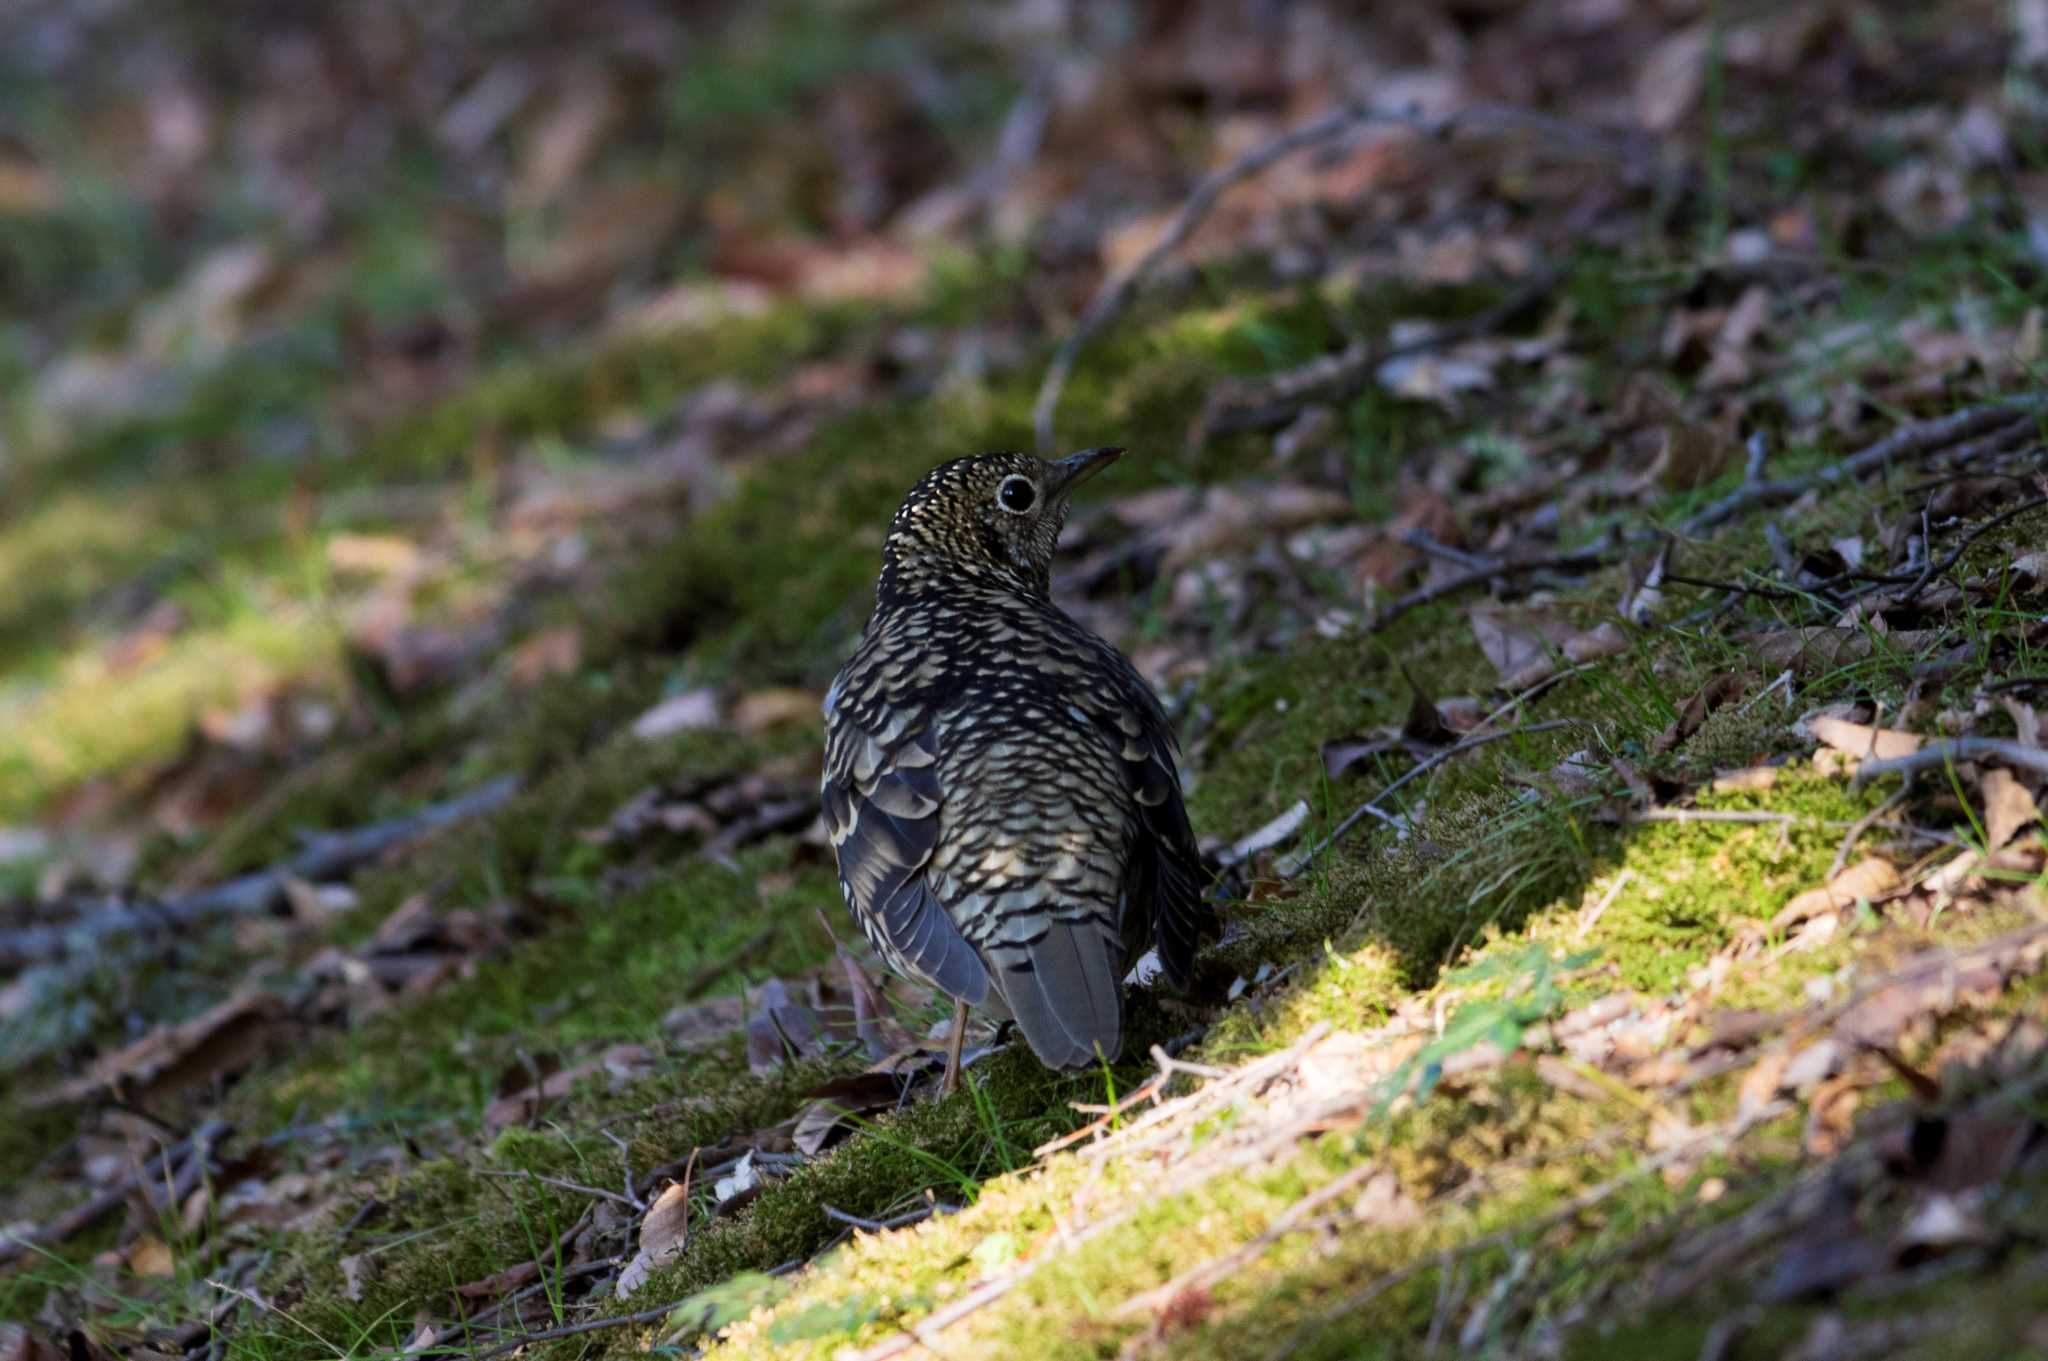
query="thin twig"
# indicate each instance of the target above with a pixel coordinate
(587, 1326)
(1917, 438)
(1420, 768)
(1856, 831)
(1429, 595)
(1115, 295)
(1935, 569)
(908, 1217)
(326, 856)
(599, 1192)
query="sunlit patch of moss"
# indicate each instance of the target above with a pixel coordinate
(95, 720)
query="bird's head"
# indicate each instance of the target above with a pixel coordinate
(991, 519)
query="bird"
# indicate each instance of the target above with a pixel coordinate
(1001, 787)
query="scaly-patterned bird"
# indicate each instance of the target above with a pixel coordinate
(1000, 784)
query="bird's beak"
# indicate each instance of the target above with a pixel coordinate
(1067, 473)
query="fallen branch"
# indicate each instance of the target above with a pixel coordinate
(1920, 437)
(165, 1169)
(574, 1329)
(326, 856)
(1479, 576)
(1957, 749)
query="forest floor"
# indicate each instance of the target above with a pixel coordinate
(1586, 515)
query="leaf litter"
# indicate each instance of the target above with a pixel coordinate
(1882, 606)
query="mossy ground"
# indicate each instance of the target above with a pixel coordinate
(767, 588)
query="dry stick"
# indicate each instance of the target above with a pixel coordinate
(1977, 531)
(1419, 769)
(1583, 1201)
(587, 1326)
(1429, 595)
(565, 1185)
(1116, 294)
(1957, 749)
(1856, 831)
(325, 856)
(154, 1171)
(1918, 438)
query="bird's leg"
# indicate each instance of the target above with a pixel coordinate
(958, 1037)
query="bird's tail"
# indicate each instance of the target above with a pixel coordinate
(1065, 991)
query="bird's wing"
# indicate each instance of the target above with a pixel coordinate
(881, 796)
(1166, 868)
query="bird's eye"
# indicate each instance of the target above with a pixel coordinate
(1017, 495)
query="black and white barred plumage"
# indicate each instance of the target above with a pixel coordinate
(1000, 784)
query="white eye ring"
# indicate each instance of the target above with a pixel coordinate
(1021, 487)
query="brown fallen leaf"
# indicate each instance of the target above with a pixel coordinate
(525, 1104)
(221, 1040)
(664, 1232)
(784, 1028)
(1868, 878)
(1760, 1084)
(777, 707)
(695, 1024)
(151, 1256)
(552, 652)
(2008, 807)
(1815, 650)
(835, 1108)
(1341, 753)
(1721, 687)
(1862, 741)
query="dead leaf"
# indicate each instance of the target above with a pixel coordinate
(695, 1024)
(836, 1107)
(151, 1256)
(1867, 879)
(872, 1020)
(373, 555)
(783, 1029)
(524, 1104)
(552, 652)
(1690, 454)
(1831, 1115)
(1231, 517)
(1760, 1084)
(1719, 689)
(221, 1040)
(356, 1270)
(1819, 649)
(1342, 753)
(1861, 740)
(1516, 641)
(1668, 82)
(2008, 807)
(664, 1233)
(678, 713)
(1425, 723)
(777, 707)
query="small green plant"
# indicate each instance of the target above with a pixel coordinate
(1530, 994)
